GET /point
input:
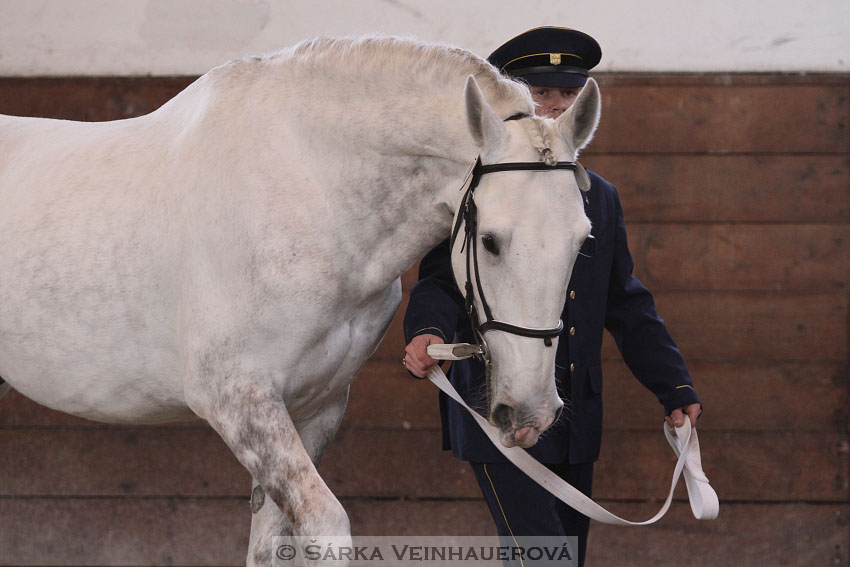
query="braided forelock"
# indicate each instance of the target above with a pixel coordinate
(539, 137)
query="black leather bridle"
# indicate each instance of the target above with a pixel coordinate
(468, 215)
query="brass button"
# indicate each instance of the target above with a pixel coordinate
(572, 331)
(572, 367)
(572, 294)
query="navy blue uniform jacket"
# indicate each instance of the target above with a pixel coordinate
(602, 293)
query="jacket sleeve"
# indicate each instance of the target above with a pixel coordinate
(641, 335)
(436, 304)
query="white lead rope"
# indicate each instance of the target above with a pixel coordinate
(685, 443)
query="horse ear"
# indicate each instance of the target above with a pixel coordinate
(580, 121)
(484, 124)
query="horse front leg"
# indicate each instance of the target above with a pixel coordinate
(256, 426)
(267, 520)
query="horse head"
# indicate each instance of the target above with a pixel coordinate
(525, 224)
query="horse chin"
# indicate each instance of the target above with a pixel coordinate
(524, 437)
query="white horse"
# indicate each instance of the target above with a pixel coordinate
(235, 255)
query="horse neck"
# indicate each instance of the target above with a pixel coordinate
(399, 207)
(390, 169)
(386, 170)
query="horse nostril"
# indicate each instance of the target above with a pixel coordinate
(558, 413)
(502, 416)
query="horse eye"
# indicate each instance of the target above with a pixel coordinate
(490, 244)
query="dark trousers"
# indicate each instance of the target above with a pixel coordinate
(521, 507)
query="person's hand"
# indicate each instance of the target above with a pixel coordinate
(416, 358)
(677, 417)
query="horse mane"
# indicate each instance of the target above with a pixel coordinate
(371, 64)
(395, 60)
(433, 64)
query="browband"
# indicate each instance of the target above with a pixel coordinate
(523, 166)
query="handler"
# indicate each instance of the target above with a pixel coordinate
(602, 293)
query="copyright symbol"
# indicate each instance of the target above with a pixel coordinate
(285, 552)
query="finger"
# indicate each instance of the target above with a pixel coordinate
(418, 347)
(693, 412)
(425, 360)
(415, 368)
(416, 350)
(422, 361)
(418, 372)
(677, 417)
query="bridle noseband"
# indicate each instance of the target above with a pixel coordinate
(468, 214)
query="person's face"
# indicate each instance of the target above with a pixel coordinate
(553, 101)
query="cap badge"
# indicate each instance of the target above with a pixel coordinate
(555, 58)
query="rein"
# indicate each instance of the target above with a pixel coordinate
(684, 441)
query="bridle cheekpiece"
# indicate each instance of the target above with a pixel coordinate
(468, 215)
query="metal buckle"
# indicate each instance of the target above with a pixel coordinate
(588, 247)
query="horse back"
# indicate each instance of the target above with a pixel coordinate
(87, 293)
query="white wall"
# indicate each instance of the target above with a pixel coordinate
(139, 37)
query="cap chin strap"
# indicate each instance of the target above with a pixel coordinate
(546, 69)
(468, 215)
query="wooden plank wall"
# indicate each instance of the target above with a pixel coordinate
(736, 190)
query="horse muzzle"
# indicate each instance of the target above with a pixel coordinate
(522, 427)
